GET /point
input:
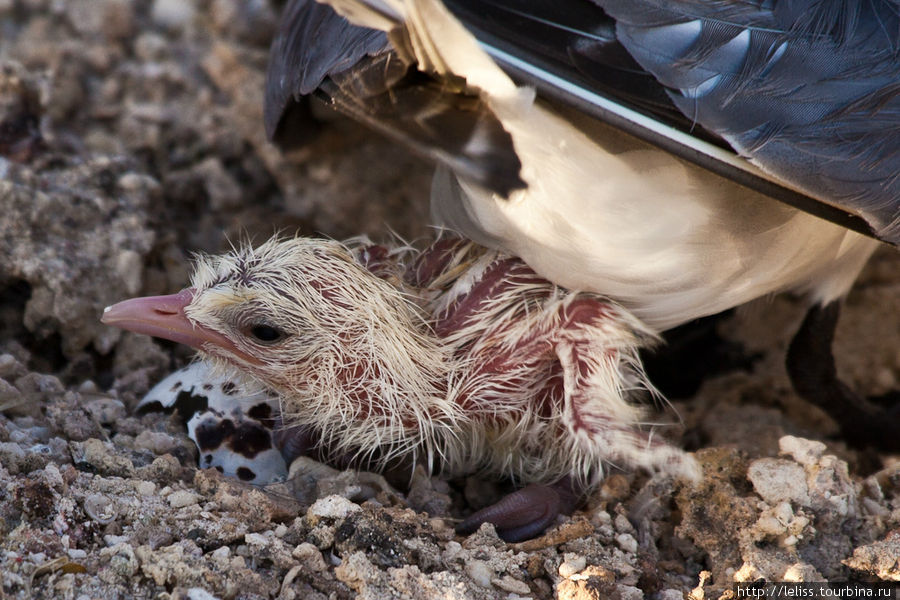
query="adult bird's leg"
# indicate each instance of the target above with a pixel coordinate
(810, 364)
(524, 513)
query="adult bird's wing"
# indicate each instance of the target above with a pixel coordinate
(356, 70)
(806, 91)
(312, 43)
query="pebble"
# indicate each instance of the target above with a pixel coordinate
(623, 525)
(601, 517)
(100, 508)
(784, 513)
(9, 366)
(627, 543)
(114, 540)
(182, 498)
(507, 583)
(806, 452)
(173, 14)
(572, 564)
(155, 441)
(134, 182)
(770, 525)
(39, 387)
(9, 394)
(480, 573)
(88, 387)
(146, 488)
(162, 468)
(20, 436)
(200, 594)
(106, 410)
(256, 539)
(778, 480)
(41, 434)
(96, 454)
(629, 592)
(330, 507)
(451, 551)
(310, 556)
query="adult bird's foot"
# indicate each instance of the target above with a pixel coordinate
(525, 513)
(873, 422)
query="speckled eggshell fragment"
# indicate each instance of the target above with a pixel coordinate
(232, 428)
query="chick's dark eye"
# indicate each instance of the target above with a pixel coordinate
(266, 333)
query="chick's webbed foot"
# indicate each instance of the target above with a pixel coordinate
(810, 363)
(525, 513)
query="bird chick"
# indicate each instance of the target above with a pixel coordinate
(458, 357)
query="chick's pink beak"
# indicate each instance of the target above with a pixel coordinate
(163, 317)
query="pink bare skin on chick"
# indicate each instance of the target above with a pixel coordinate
(456, 357)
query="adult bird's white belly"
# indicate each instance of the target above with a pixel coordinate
(673, 242)
(603, 212)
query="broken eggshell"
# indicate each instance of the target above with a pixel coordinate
(231, 427)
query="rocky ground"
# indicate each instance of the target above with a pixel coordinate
(131, 136)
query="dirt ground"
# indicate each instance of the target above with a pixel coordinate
(152, 147)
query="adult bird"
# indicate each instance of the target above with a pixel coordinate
(681, 156)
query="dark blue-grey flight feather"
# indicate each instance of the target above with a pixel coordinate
(808, 90)
(355, 70)
(312, 43)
